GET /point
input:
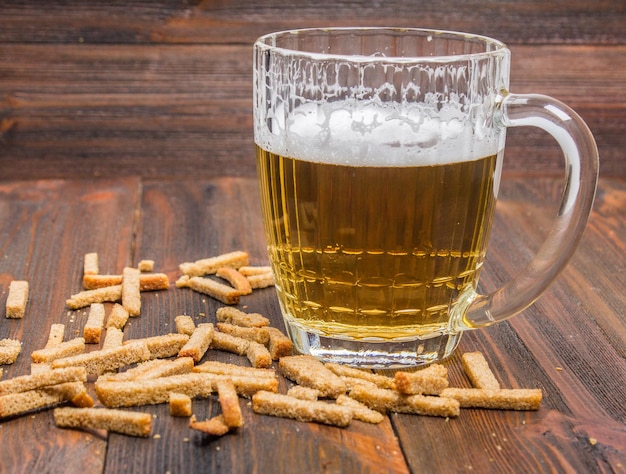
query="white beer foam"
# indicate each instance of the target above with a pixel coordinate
(375, 135)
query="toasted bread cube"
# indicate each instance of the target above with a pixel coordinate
(24, 383)
(229, 401)
(106, 360)
(113, 393)
(477, 369)
(152, 369)
(222, 368)
(147, 281)
(502, 399)
(382, 400)
(215, 426)
(420, 382)
(303, 393)
(118, 317)
(254, 270)
(308, 371)
(163, 346)
(225, 342)
(260, 335)
(180, 404)
(166, 367)
(381, 381)
(93, 327)
(56, 335)
(100, 295)
(236, 279)
(224, 293)
(64, 349)
(113, 338)
(185, 325)
(258, 355)
(90, 264)
(263, 280)
(9, 350)
(82, 399)
(145, 265)
(274, 404)
(208, 266)
(360, 411)
(23, 402)
(17, 299)
(239, 318)
(131, 292)
(198, 343)
(279, 344)
(119, 421)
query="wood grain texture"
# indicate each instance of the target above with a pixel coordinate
(571, 343)
(46, 227)
(162, 89)
(239, 21)
(186, 110)
(566, 343)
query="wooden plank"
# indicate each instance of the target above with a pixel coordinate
(46, 229)
(47, 77)
(110, 110)
(587, 76)
(85, 110)
(568, 343)
(591, 293)
(238, 21)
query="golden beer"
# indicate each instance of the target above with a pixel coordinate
(375, 252)
(379, 155)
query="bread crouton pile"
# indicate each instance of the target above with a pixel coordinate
(179, 368)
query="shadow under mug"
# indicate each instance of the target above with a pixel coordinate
(379, 154)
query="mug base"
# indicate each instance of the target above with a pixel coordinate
(373, 354)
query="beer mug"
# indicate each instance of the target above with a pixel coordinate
(379, 153)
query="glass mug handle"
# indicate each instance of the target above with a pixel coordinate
(581, 175)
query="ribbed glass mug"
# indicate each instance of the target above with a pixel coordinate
(379, 153)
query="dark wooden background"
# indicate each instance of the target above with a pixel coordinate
(163, 87)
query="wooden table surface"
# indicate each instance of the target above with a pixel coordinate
(126, 129)
(571, 343)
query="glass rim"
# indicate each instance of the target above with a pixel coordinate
(268, 42)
